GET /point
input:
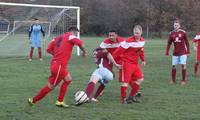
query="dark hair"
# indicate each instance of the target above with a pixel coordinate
(177, 21)
(73, 29)
(36, 19)
(112, 31)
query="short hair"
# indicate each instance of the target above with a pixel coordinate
(138, 26)
(36, 19)
(177, 21)
(73, 29)
(112, 30)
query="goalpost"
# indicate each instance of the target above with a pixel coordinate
(54, 19)
(4, 26)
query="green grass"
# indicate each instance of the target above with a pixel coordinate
(21, 79)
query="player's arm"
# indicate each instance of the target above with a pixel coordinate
(142, 57)
(50, 48)
(169, 42)
(30, 31)
(73, 39)
(111, 59)
(42, 30)
(195, 42)
(187, 44)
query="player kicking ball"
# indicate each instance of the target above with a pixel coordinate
(103, 74)
(61, 49)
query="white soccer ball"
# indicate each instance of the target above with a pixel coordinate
(80, 97)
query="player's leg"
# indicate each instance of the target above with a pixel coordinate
(40, 53)
(93, 80)
(63, 90)
(31, 54)
(126, 74)
(107, 78)
(183, 60)
(175, 61)
(196, 68)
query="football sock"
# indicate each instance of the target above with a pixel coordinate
(43, 92)
(99, 90)
(123, 93)
(63, 90)
(173, 74)
(134, 90)
(90, 88)
(183, 74)
(39, 53)
(196, 68)
(31, 53)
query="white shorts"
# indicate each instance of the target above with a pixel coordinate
(105, 75)
(179, 60)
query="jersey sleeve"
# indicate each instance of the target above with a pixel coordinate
(50, 48)
(73, 39)
(42, 30)
(196, 38)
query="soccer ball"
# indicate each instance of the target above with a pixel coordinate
(80, 97)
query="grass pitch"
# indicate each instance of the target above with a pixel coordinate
(21, 79)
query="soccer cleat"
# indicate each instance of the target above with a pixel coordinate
(30, 102)
(130, 100)
(94, 100)
(183, 82)
(138, 94)
(61, 104)
(172, 82)
(41, 59)
(30, 60)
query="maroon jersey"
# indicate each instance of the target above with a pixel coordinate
(101, 59)
(180, 41)
(61, 47)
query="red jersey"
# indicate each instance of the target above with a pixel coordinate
(61, 47)
(131, 50)
(197, 40)
(180, 41)
(101, 59)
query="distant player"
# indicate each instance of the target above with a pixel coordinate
(131, 51)
(61, 49)
(196, 41)
(35, 32)
(103, 74)
(181, 50)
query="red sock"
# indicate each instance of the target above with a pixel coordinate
(99, 90)
(173, 74)
(135, 88)
(43, 92)
(90, 88)
(196, 68)
(63, 90)
(123, 93)
(31, 53)
(39, 53)
(183, 74)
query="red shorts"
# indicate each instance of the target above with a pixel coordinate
(130, 72)
(58, 72)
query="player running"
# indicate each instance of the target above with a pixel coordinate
(181, 50)
(35, 38)
(196, 42)
(61, 49)
(103, 74)
(130, 51)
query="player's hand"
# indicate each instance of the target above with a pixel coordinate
(143, 63)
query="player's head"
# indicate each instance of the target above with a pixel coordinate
(177, 24)
(112, 34)
(73, 30)
(137, 31)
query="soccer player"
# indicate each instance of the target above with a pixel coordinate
(196, 42)
(35, 38)
(181, 50)
(61, 49)
(132, 50)
(103, 74)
